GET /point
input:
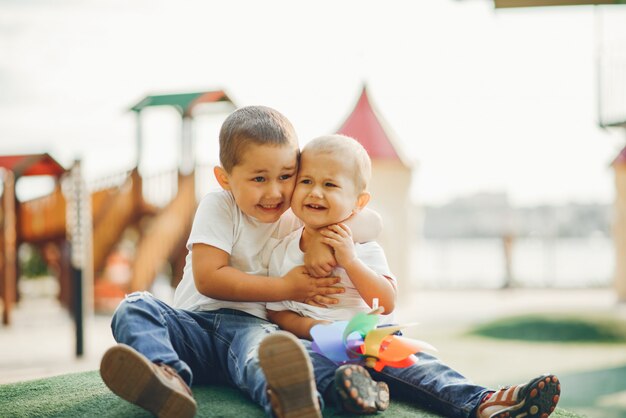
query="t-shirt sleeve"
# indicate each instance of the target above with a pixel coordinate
(214, 222)
(372, 254)
(277, 306)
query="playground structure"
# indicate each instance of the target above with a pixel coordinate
(113, 206)
(118, 204)
(41, 222)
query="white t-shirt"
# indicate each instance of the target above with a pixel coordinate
(287, 255)
(220, 223)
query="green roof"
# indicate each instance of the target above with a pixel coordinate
(183, 102)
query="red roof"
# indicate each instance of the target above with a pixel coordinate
(621, 158)
(367, 127)
(31, 165)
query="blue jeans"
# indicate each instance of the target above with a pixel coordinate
(204, 347)
(435, 385)
(221, 346)
(429, 383)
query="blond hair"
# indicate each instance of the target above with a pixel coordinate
(351, 151)
(258, 125)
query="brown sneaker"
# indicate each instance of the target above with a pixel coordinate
(359, 393)
(289, 375)
(154, 387)
(536, 399)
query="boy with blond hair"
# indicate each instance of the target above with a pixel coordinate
(212, 331)
(332, 184)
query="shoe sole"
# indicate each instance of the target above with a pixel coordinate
(360, 394)
(540, 399)
(289, 375)
(131, 377)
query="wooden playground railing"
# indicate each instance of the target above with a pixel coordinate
(43, 218)
(159, 189)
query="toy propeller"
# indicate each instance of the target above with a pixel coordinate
(361, 339)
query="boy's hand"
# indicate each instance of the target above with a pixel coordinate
(318, 258)
(323, 301)
(339, 238)
(303, 287)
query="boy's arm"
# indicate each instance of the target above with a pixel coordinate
(372, 285)
(368, 283)
(319, 259)
(300, 326)
(215, 278)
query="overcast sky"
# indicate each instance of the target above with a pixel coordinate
(480, 99)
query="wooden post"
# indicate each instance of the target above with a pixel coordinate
(507, 249)
(619, 230)
(9, 236)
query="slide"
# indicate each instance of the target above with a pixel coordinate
(161, 240)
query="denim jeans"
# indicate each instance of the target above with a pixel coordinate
(205, 347)
(210, 347)
(429, 383)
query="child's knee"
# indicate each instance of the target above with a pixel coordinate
(138, 296)
(132, 303)
(253, 340)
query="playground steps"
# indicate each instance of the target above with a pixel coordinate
(113, 210)
(161, 241)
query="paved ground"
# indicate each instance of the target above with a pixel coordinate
(40, 342)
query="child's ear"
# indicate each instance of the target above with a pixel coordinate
(222, 177)
(362, 200)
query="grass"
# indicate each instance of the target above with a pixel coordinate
(588, 392)
(85, 395)
(555, 328)
(592, 392)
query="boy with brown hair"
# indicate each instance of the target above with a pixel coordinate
(218, 316)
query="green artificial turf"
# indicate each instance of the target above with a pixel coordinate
(555, 328)
(85, 395)
(587, 392)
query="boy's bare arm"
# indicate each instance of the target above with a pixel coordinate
(368, 283)
(300, 326)
(372, 285)
(215, 278)
(319, 258)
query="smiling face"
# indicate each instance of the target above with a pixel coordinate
(263, 181)
(325, 191)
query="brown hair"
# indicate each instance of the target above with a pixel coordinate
(259, 125)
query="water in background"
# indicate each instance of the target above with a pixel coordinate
(536, 262)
